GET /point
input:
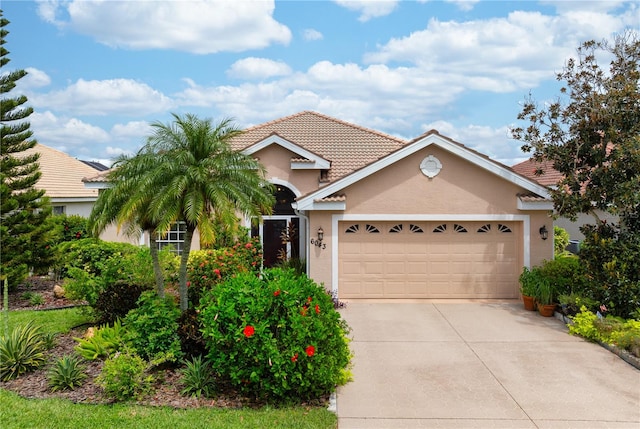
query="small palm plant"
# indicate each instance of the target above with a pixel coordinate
(21, 351)
(197, 378)
(68, 372)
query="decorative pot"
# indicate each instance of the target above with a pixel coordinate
(529, 303)
(546, 310)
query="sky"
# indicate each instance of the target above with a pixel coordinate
(99, 72)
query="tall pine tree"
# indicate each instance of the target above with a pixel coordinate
(23, 208)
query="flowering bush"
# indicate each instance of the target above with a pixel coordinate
(275, 337)
(206, 268)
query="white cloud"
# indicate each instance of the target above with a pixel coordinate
(311, 34)
(105, 97)
(56, 131)
(258, 68)
(197, 26)
(131, 130)
(464, 5)
(369, 9)
(498, 54)
(34, 79)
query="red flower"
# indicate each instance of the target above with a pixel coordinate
(217, 271)
(188, 284)
(248, 245)
(310, 351)
(309, 299)
(249, 331)
(304, 311)
(276, 293)
(294, 358)
(317, 309)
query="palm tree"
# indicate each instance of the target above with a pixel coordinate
(193, 176)
(113, 206)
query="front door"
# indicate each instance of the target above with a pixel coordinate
(272, 243)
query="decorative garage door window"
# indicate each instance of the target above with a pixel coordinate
(417, 229)
(440, 228)
(484, 228)
(503, 228)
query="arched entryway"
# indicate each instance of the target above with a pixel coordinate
(281, 232)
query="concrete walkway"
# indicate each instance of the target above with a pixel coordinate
(490, 364)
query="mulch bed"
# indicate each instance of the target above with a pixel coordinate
(167, 387)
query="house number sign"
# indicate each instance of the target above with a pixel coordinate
(318, 243)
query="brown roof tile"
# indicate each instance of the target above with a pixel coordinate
(62, 174)
(347, 146)
(549, 177)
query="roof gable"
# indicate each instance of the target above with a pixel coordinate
(432, 137)
(346, 146)
(306, 160)
(62, 175)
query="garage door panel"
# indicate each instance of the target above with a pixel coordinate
(448, 264)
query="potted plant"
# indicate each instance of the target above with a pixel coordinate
(545, 297)
(528, 286)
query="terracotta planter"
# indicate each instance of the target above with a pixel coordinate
(529, 303)
(546, 310)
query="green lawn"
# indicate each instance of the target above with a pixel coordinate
(17, 412)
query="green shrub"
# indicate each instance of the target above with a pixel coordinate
(565, 273)
(116, 300)
(153, 328)
(611, 257)
(197, 378)
(206, 268)
(124, 377)
(276, 337)
(560, 241)
(529, 281)
(584, 325)
(190, 333)
(67, 373)
(102, 342)
(21, 351)
(34, 298)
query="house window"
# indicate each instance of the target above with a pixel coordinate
(174, 238)
(58, 210)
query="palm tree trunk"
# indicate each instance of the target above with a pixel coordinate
(157, 269)
(182, 271)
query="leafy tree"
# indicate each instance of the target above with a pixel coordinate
(593, 139)
(127, 176)
(189, 173)
(23, 208)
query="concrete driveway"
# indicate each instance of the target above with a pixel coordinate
(472, 364)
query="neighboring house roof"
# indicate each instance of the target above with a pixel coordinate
(96, 165)
(549, 177)
(347, 147)
(62, 175)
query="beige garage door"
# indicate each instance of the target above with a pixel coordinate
(429, 259)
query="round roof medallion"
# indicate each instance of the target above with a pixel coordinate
(430, 166)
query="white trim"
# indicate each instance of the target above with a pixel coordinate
(97, 185)
(535, 205)
(325, 205)
(319, 163)
(306, 203)
(73, 199)
(284, 183)
(336, 218)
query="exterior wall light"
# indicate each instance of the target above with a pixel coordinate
(320, 234)
(544, 234)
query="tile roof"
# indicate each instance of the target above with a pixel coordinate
(62, 174)
(347, 146)
(549, 177)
